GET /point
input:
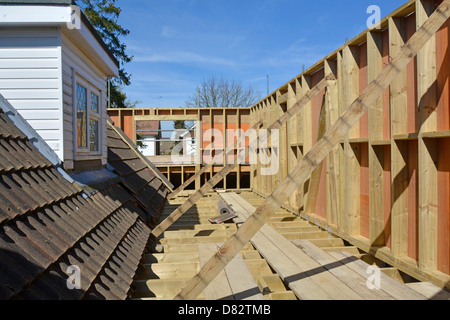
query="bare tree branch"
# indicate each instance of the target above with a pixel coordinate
(221, 93)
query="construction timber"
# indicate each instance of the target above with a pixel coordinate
(383, 187)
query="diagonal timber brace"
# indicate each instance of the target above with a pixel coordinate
(174, 216)
(315, 156)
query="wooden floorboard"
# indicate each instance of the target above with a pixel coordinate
(312, 273)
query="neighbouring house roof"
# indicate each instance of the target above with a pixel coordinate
(166, 146)
(48, 224)
(148, 127)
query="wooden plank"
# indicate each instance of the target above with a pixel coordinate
(190, 180)
(428, 204)
(427, 102)
(333, 165)
(207, 167)
(429, 290)
(304, 287)
(375, 65)
(392, 287)
(241, 281)
(399, 102)
(350, 56)
(166, 118)
(230, 167)
(321, 149)
(340, 270)
(352, 194)
(426, 70)
(399, 196)
(219, 289)
(305, 266)
(376, 155)
(314, 181)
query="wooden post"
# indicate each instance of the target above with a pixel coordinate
(332, 107)
(174, 216)
(399, 149)
(427, 102)
(207, 167)
(189, 181)
(376, 156)
(311, 160)
(351, 171)
(314, 181)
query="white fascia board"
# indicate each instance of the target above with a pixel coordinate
(27, 15)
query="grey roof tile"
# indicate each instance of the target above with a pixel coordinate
(47, 225)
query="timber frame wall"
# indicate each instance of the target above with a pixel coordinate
(220, 119)
(386, 187)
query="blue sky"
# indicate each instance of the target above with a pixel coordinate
(178, 43)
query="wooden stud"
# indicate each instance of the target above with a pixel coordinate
(397, 38)
(376, 155)
(315, 156)
(375, 65)
(427, 101)
(314, 181)
(350, 57)
(174, 216)
(332, 114)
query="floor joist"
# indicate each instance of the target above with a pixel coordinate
(315, 156)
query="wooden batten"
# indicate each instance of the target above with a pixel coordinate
(427, 148)
(276, 125)
(346, 128)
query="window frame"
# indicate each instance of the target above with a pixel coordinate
(90, 116)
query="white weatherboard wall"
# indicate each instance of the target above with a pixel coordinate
(31, 79)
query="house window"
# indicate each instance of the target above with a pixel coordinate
(94, 102)
(93, 135)
(87, 117)
(81, 116)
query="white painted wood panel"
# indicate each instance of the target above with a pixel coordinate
(30, 78)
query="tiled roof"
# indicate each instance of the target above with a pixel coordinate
(47, 224)
(146, 187)
(148, 127)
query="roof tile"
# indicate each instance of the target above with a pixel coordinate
(47, 224)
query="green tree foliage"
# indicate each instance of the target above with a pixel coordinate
(179, 124)
(104, 16)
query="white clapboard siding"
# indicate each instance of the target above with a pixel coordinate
(30, 78)
(6, 84)
(43, 124)
(52, 135)
(29, 63)
(40, 114)
(32, 104)
(30, 94)
(23, 74)
(37, 53)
